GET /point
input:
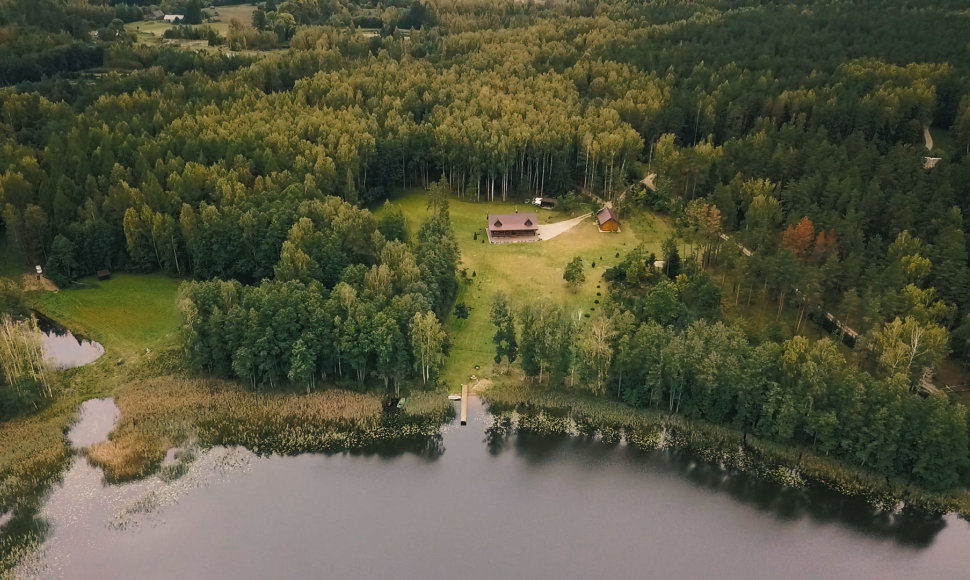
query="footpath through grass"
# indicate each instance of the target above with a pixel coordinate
(526, 272)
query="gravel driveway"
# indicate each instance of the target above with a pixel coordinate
(549, 231)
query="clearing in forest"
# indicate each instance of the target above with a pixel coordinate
(524, 272)
(127, 313)
(152, 31)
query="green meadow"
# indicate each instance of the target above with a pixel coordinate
(127, 313)
(524, 271)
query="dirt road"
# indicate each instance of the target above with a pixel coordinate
(549, 231)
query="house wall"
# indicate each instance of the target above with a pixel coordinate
(610, 226)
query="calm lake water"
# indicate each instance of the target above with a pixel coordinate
(531, 508)
(65, 349)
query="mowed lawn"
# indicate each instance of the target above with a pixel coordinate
(526, 272)
(127, 313)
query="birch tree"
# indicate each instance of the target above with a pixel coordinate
(427, 341)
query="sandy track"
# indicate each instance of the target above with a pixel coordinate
(549, 231)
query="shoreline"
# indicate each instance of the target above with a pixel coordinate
(528, 410)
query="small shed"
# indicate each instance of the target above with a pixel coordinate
(104, 274)
(607, 220)
(545, 202)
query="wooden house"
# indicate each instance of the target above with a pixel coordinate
(513, 227)
(607, 220)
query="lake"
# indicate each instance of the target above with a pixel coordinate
(531, 508)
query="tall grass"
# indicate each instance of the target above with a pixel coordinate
(163, 412)
(26, 377)
(33, 453)
(525, 409)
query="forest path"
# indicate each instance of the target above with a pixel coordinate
(927, 139)
(549, 231)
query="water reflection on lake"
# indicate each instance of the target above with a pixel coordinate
(63, 348)
(96, 419)
(531, 508)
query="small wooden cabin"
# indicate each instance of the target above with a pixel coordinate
(104, 274)
(544, 202)
(607, 220)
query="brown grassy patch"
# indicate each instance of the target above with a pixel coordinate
(159, 413)
(32, 453)
(431, 405)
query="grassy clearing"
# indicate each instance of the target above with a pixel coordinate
(226, 14)
(525, 272)
(150, 27)
(152, 31)
(127, 313)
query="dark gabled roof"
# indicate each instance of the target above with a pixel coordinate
(513, 221)
(606, 214)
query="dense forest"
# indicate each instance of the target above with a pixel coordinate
(789, 140)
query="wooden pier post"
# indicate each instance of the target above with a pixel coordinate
(464, 404)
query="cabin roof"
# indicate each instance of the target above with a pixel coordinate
(502, 222)
(606, 214)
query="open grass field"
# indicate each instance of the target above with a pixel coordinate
(151, 31)
(127, 313)
(525, 272)
(223, 15)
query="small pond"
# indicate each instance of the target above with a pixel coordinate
(65, 349)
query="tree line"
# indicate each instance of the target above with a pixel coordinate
(654, 348)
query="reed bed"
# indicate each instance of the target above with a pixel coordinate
(164, 412)
(520, 408)
(33, 453)
(429, 405)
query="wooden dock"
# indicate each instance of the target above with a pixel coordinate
(464, 404)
